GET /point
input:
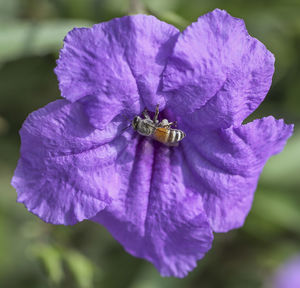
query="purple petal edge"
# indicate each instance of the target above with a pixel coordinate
(155, 217)
(115, 67)
(224, 167)
(218, 71)
(64, 163)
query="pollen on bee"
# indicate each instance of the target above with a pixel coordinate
(161, 134)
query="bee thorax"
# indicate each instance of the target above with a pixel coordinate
(144, 128)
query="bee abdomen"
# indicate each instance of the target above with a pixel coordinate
(175, 135)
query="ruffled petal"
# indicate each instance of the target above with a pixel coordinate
(218, 70)
(224, 166)
(155, 216)
(66, 172)
(117, 63)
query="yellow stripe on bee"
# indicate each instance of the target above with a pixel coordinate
(161, 134)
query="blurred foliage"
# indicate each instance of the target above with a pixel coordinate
(36, 254)
(24, 38)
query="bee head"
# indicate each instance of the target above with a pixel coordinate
(135, 122)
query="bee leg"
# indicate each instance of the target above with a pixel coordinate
(173, 123)
(156, 114)
(168, 125)
(145, 114)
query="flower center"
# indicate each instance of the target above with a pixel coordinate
(162, 131)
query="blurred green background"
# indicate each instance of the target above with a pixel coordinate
(36, 254)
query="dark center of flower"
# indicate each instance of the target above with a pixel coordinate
(163, 131)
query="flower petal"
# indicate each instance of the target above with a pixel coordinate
(156, 217)
(287, 275)
(219, 70)
(225, 165)
(118, 63)
(66, 172)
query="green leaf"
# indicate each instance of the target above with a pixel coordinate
(81, 268)
(163, 6)
(51, 259)
(9, 9)
(173, 18)
(278, 209)
(23, 38)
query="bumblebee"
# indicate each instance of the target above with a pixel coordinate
(159, 131)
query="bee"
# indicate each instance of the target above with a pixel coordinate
(159, 131)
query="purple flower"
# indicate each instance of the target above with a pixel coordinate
(161, 203)
(288, 275)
